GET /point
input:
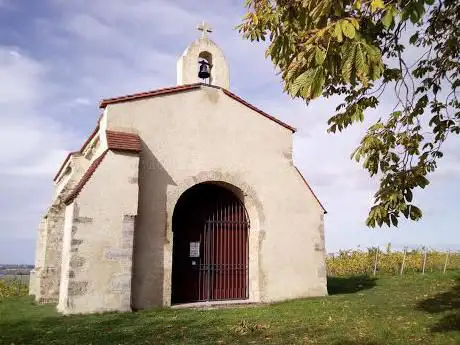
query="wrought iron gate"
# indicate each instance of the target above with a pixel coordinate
(217, 264)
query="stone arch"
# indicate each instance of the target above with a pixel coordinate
(187, 67)
(256, 216)
(207, 56)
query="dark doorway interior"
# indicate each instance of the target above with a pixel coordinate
(210, 248)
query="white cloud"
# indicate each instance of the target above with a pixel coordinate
(20, 77)
(32, 140)
(82, 101)
(103, 49)
(33, 145)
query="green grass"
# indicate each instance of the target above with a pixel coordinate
(413, 309)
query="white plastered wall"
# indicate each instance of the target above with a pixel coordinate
(194, 136)
(187, 65)
(98, 273)
(66, 253)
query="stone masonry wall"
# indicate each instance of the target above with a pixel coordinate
(34, 281)
(47, 290)
(45, 278)
(97, 263)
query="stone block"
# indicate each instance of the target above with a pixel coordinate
(118, 254)
(83, 220)
(78, 288)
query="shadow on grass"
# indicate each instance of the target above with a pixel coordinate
(351, 284)
(107, 329)
(447, 303)
(147, 329)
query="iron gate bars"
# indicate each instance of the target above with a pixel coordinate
(223, 269)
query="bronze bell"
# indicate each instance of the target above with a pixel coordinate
(204, 72)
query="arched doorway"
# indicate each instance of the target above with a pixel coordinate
(210, 246)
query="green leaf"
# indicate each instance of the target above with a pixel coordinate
(355, 23)
(338, 32)
(301, 81)
(376, 4)
(413, 38)
(387, 221)
(317, 83)
(408, 195)
(387, 19)
(357, 5)
(361, 66)
(415, 213)
(394, 220)
(347, 66)
(320, 55)
(348, 29)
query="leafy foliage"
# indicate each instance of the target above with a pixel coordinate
(356, 262)
(356, 49)
(13, 288)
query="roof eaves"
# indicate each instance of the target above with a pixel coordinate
(141, 95)
(84, 179)
(91, 136)
(64, 164)
(122, 141)
(311, 190)
(261, 112)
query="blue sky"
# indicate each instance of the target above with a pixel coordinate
(58, 58)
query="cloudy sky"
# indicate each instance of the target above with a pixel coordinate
(58, 58)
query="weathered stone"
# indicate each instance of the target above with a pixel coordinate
(121, 283)
(102, 257)
(78, 288)
(77, 262)
(118, 253)
(83, 220)
(76, 242)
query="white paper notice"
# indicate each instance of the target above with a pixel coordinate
(194, 249)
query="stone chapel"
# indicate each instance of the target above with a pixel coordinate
(181, 195)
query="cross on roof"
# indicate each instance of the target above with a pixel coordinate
(204, 28)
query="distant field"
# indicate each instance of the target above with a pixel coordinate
(13, 286)
(348, 262)
(409, 309)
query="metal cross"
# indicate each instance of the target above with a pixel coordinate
(204, 28)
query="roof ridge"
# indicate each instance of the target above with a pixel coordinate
(134, 96)
(187, 87)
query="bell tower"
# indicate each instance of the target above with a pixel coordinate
(203, 61)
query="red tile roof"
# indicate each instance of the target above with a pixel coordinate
(181, 88)
(116, 141)
(311, 190)
(64, 163)
(92, 135)
(85, 178)
(158, 92)
(123, 141)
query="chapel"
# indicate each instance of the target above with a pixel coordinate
(184, 195)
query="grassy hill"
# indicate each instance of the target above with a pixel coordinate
(412, 309)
